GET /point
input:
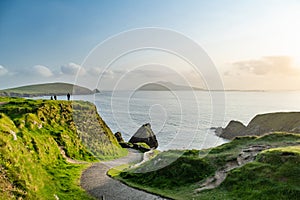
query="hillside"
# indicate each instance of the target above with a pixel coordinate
(33, 135)
(47, 89)
(165, 86)
(265, 167)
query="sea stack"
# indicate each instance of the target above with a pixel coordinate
(146, 135)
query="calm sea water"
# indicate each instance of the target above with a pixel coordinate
(182, 119)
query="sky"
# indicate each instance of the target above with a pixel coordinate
(253, 44)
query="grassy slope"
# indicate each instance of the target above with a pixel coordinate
(274, 173)
(46, 89)
(32, 166)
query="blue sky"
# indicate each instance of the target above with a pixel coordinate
(251, 40)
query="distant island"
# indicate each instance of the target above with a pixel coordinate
(169, 86)
(166, 86)
(47, 89)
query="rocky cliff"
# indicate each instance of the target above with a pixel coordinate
(261, 124)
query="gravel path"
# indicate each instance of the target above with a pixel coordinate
(95, 181)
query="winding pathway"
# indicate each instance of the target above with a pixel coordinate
(246, 155)
(95, 181)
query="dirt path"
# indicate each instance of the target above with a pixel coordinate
(95, 181)
(247, 155)
(69, 160)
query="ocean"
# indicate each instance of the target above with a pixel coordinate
(183, 119)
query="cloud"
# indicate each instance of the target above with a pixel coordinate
(109, 74)
(117, 73)
(95, 71)
(72, 69)
(153, 72)
(270, 65)
(3, 70)
(42, 71)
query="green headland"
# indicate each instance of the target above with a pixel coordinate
(46, 89)
(36, 136)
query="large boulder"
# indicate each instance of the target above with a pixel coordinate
(145, 135)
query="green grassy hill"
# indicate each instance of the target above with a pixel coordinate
(47, 89)
(272, 174)
(32, 134)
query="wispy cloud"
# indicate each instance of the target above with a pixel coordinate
(42, 71)
(72, 69)
(3, 70)
(270, 65)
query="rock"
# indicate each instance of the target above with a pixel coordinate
(262, 124)
(95, 91)
(233, 129)
(119, 137)
(145, 134)
(219, 131)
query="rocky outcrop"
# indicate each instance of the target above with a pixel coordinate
(119, 137)
(145, 135)
(261, 124)
(96, 91)
(233, 129)
(140, 146)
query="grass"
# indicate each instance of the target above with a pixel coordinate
(65, 182)
(32, 167)
(273, 175)
(177, 173)
(115, 171)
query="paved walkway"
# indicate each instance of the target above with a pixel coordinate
(95, 181)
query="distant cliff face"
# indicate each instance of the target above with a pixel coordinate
(264, 123)
(32, 134)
